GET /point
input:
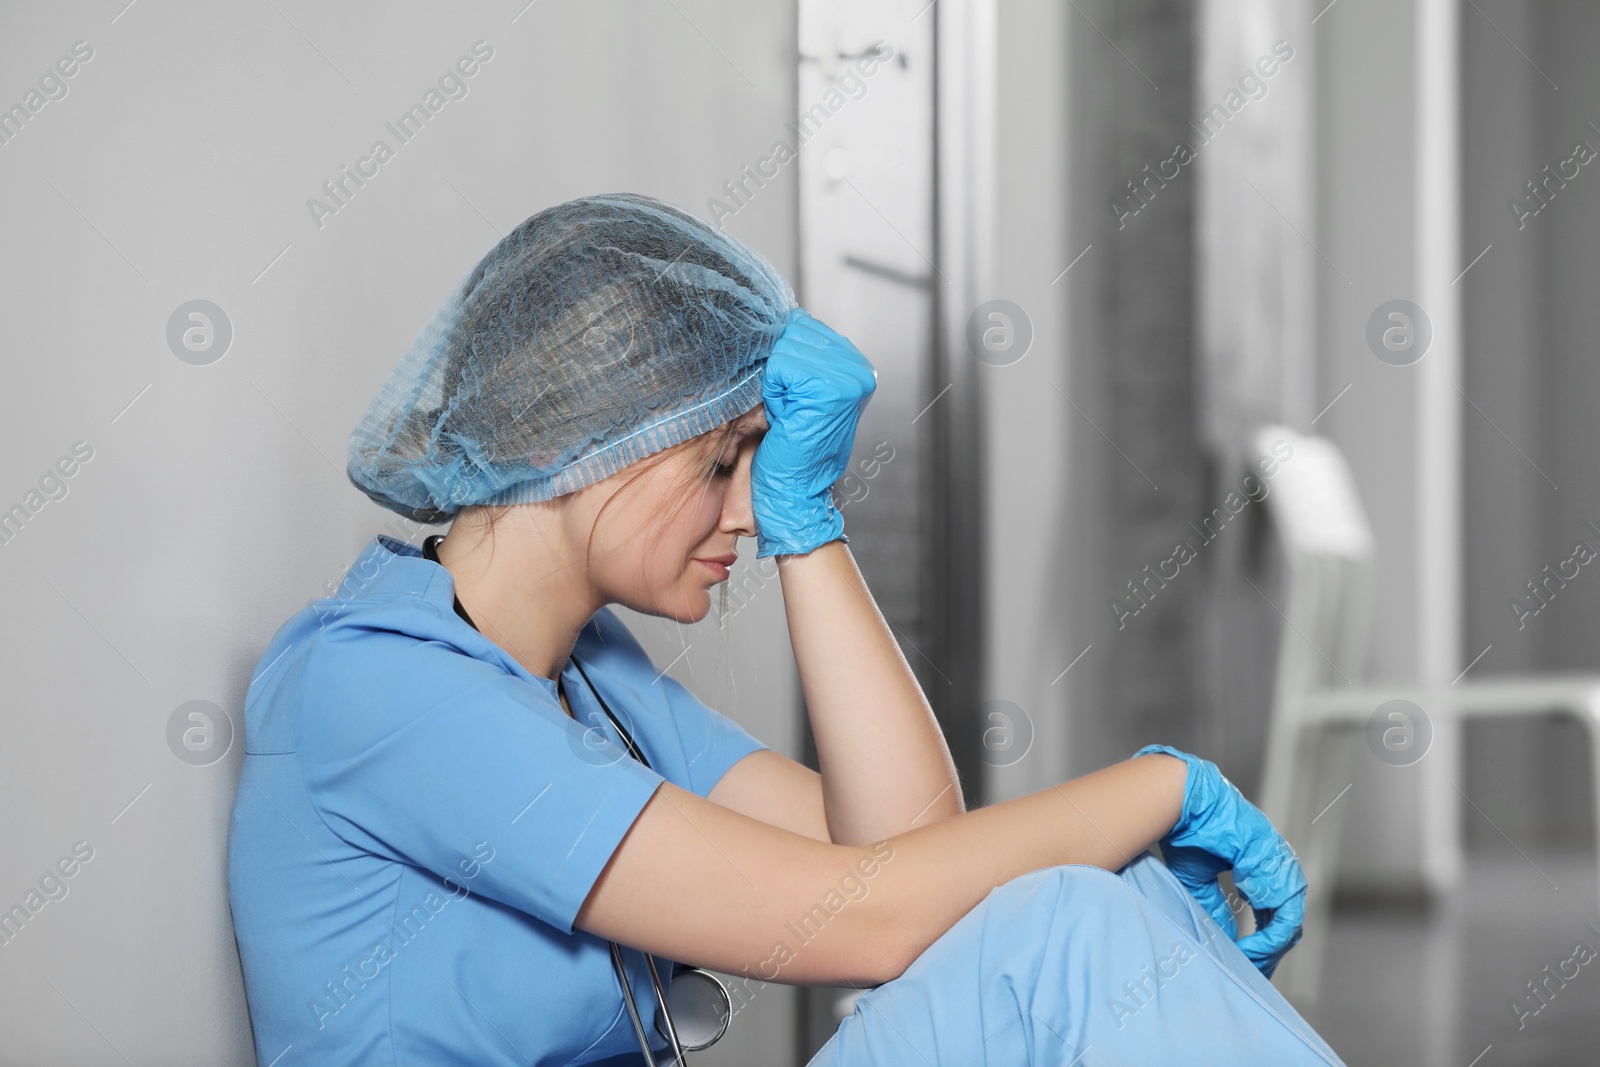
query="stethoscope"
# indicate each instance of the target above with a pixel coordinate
(703, 1001)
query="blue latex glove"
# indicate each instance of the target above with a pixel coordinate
(815, 387)
(1221, 830)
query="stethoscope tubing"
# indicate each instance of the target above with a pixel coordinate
(616, 950)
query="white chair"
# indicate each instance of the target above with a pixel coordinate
(1321, 710)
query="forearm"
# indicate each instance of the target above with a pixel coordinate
(940, 872)
(884, 763)
(698, 882)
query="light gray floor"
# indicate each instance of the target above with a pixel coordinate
(1435, 986)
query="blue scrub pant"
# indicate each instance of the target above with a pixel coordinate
(1075, 965)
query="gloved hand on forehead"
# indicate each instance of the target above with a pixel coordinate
(1220, 830)
(815, 387)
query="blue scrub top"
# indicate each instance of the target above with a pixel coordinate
(418, 822)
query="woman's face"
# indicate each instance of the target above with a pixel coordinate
(652, 542)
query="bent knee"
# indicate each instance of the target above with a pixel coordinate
(1072, 911)
(1085, 886)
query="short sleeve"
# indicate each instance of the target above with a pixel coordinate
(711, 742)
(416, 752)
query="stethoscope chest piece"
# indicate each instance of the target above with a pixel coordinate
(700, 1008)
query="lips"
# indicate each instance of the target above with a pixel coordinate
(726, 561)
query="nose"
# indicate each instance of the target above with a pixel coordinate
(738, 516)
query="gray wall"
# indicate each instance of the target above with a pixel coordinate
(178, 167)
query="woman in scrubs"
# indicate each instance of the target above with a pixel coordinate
(437, 832)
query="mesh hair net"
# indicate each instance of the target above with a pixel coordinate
(597, 333)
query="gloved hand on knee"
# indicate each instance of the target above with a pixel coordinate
(816, 386)
(1220, 830)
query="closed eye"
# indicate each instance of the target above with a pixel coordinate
(746, 437)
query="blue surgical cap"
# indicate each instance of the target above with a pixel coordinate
(598, 332)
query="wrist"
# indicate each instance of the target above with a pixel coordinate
(799, 572)
(799, 529)
(1178, 780)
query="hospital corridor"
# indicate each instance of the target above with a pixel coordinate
(964, 533)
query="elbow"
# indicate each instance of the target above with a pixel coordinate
(863, 945)
(891, 935)
(889, 950)
(881, 934)
(876, 952)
